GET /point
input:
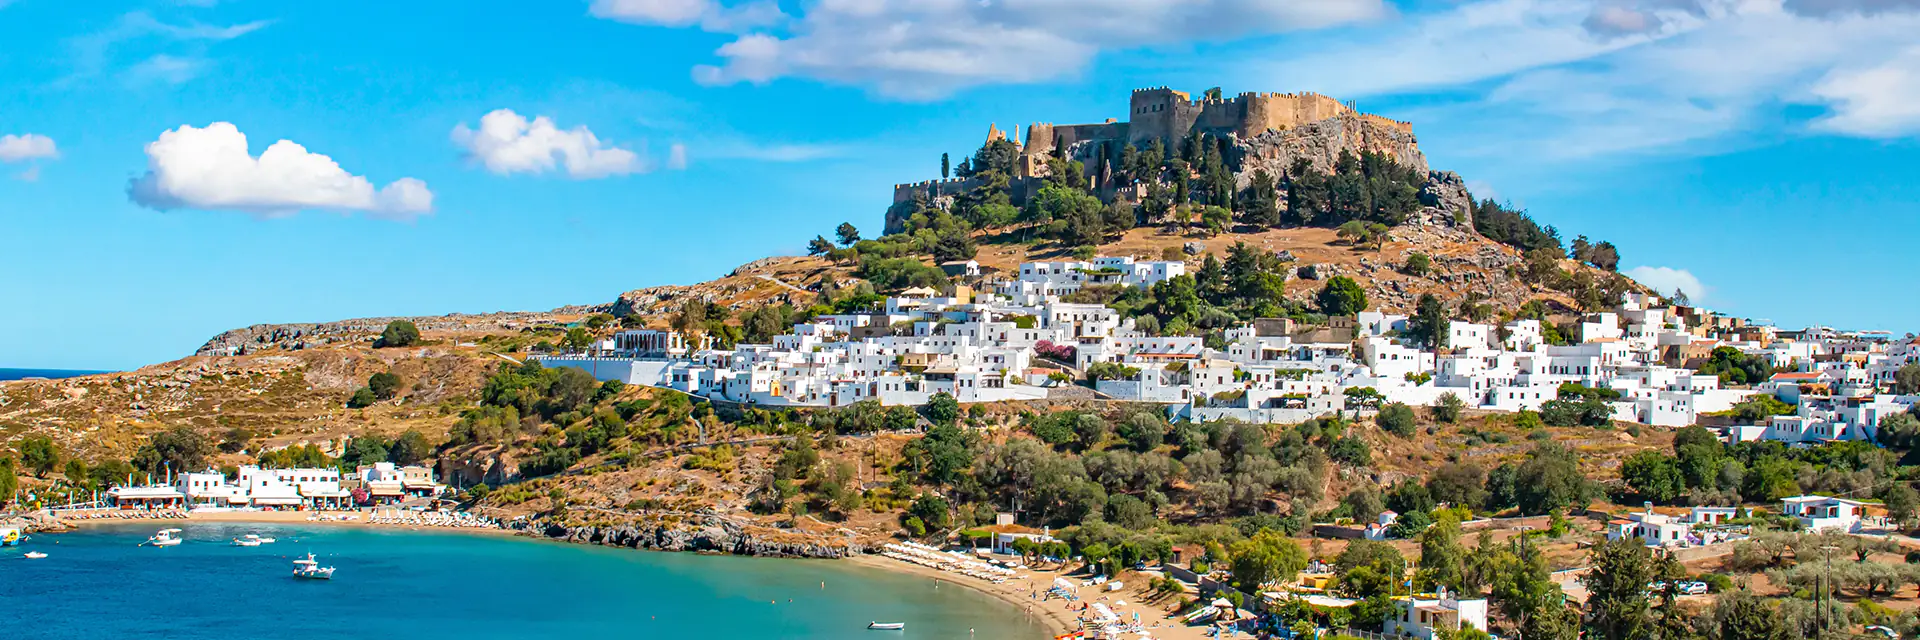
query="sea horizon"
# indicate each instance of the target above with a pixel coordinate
(22, 373)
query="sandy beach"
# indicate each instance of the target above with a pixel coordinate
(1059, 616)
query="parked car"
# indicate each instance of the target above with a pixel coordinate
(1692, 588)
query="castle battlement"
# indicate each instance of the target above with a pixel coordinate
(928, 183)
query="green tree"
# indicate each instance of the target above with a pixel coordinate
(1443, 560)
(1654, 476)
(1342, 297)
(1617, 605)
(819, 246)
(385, 385)
(1266, 557)
(9, 480)
(942, 409)
(1215, 219)
(39, 455)
(1907, 379)
(946, 166)
(1740, 615)
(1550, 481)
(1398, 419)
(410, 448)
(76, 472)
(177, 449)
(399, 333)
(576, 340)
(361, 398)
(1429, 325)
(1526, 595)
(1448, 408)
(847, 233)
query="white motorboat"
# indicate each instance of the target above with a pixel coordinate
(246, 542)
(309, 569)
(35, 555)
(258, 538)
(886, 626)
(164, 538)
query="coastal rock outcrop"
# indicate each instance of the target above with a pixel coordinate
(711, 535)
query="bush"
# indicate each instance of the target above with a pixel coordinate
(1398, 419)
(1447, 409)
(399, 333)
(384, 385)
(362, 398)
(1418, 264)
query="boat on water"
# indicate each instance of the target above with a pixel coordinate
(309, 569)
(259, 538)
(246, 542)
(10, 536)
(886, 626)
(164, 538)
(35, 555)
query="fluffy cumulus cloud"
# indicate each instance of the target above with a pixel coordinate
(211, 168)
(28, 146)
(922, 49)
(508, 143)
(1667, 280)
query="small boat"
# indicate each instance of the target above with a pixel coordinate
(246, 542)
(10, 536)
(258, 538)
(886, 626)
(36, 555)
(309, 569)
(164, 538)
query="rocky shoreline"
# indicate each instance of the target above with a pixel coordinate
(715, 535)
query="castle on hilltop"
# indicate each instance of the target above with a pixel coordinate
(1169, 116)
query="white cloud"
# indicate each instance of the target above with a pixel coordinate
(508, 143)
(922, 49)
(1667, 280)
(677, 156)
(1540, 80)
(94, 52)
(1878, 101)
(211, 169)
(32, 174)
(165, 68)
(708, 14)
(27, 146)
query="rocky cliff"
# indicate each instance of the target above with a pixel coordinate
(711, 534)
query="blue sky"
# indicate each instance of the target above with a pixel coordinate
(479, 155)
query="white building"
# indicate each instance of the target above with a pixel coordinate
(1420, 616)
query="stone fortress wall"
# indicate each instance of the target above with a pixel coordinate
(1166, 114)
(1161, 113)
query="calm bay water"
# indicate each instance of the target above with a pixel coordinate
(97, 583)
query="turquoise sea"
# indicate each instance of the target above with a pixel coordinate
(97, 583)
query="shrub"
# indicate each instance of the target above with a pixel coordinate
(384, 385)
(1398, 419)
(1418, 264)
(399, 333)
